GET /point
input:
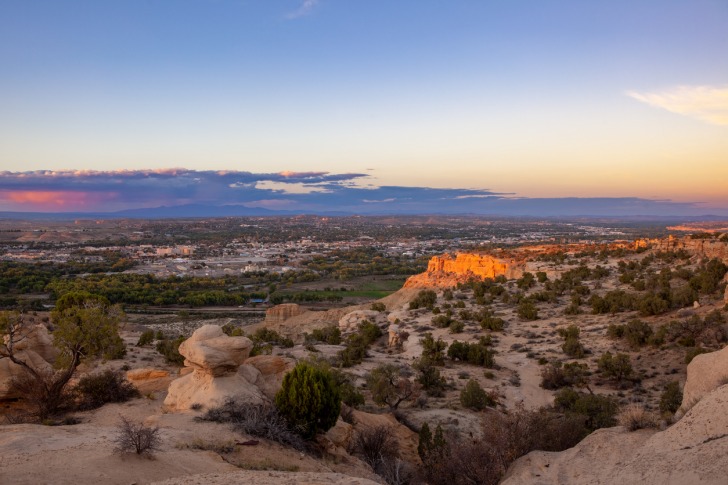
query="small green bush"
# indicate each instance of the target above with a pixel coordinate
(474, 397)
(95, 390)
(170, 350)
(671, 398)
(329, 335)
(146, 338)
(617, 367)
(309, 400)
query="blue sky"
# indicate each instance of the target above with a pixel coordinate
(535, 98)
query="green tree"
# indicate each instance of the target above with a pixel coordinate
(309, 399)
(617, 367)
(86, 327)
(389, 387)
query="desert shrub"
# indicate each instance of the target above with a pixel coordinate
(690, 331)
(424, 299)
(136, 437)
(309, 400)
(556, 375)
(614, 301)
(169, 348)
(460, 460)
(456, 326)
(526, 281)
(369, 331)
(598, 411)
(671, 398)
(378, 306)
(636, 332)
(474, 353)
(441, 321)
(389, 386)
(616, 367)
(694, 352)
(492, 323)
(652, 304)
(634, 417)
(232, 330)
(358, 343)
(146, 338)
(374, 445)
(571, 346)
(95, 390)
(707, 278)
(264, 338)
(429, 377)
(527, 310)
(433, 350)
(474, 397)
(259, 420)
(330, 335)
(354, 352)
(348, 392)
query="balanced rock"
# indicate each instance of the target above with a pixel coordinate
(217, 371)
(209, 350)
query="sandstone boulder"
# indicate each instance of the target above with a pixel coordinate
(10, 371)
(271, 369)
(148, 380)
(705, 373)
(693, 450)
(40, 341)
(209, 350)
(206, 390)
(217, 371)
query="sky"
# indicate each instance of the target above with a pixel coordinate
(407, 105)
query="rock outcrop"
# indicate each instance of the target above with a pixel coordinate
(148, 380)
(37, 350)
(693, 450)
(705, 373)
(217, 372)
(280, 313)
(708, 248)
(350, 322)
(444, 271)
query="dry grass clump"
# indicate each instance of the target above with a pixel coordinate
(634, 417)
(143, 440)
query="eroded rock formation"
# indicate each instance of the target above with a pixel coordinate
(217, 373)
(444, 271)
(280, 313)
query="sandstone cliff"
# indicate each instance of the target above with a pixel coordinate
(444, 271)
(708, 248)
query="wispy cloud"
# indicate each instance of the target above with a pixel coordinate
(304, 9)
(706, 103)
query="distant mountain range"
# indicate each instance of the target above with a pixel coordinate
(201, 211)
